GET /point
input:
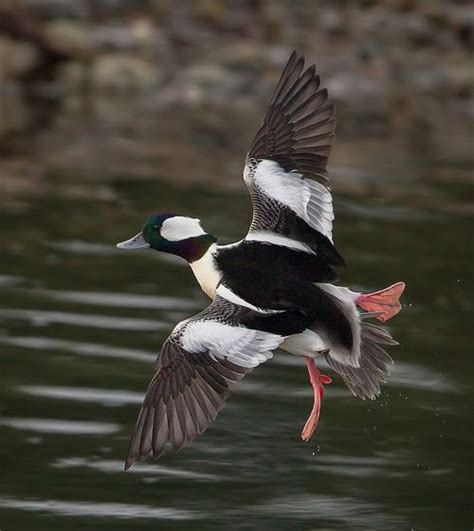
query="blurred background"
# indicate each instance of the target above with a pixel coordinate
(111, 110)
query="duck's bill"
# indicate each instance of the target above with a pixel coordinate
(134, 244)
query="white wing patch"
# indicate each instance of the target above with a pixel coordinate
(239, 345)
(229, 295)
(266, 236)
(310, 200)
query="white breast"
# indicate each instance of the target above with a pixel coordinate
(206, 272)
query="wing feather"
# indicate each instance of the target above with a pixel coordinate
(286, 165)
(199, 362)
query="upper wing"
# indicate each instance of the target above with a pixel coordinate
(285, 169)
(198, 363)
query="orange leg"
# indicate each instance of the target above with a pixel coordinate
(318, 381)
(385, 301)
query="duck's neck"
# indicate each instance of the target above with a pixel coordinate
(191, 249)
(206, 271)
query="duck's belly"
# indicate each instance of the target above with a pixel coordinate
(307, 344)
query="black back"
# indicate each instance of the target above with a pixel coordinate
(275, 277)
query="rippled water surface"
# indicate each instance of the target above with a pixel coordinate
(81, 322)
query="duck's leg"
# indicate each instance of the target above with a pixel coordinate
(318, 381)
(385, 301)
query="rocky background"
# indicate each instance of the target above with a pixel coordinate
(100, 89)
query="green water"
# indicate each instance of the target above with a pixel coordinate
(81, 322)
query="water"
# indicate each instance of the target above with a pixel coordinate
(81, 322)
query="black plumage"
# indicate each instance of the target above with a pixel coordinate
(299, 126)
(253, 258)
(287, 284)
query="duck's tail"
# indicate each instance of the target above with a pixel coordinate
(364, 381)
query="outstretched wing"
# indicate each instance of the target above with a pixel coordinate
(285, 169)
(194, 371)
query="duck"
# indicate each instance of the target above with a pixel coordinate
(274, 288)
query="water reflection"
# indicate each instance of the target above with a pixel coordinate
(102, 510)
(415, 376)
(112, 467)
(104, 397)
(124, 300)
(83, 349)
(67, 427)
(350, 511)
(45, 318)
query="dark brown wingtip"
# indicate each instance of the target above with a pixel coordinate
(128, 463)
(300, 61)
(293, 58)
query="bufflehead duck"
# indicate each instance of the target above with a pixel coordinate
(274, 288)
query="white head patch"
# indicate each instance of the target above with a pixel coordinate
(180, 228)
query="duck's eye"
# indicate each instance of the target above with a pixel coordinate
(156, 228)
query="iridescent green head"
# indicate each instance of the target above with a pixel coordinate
(174, 234)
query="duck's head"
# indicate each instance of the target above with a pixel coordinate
(174, 234)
